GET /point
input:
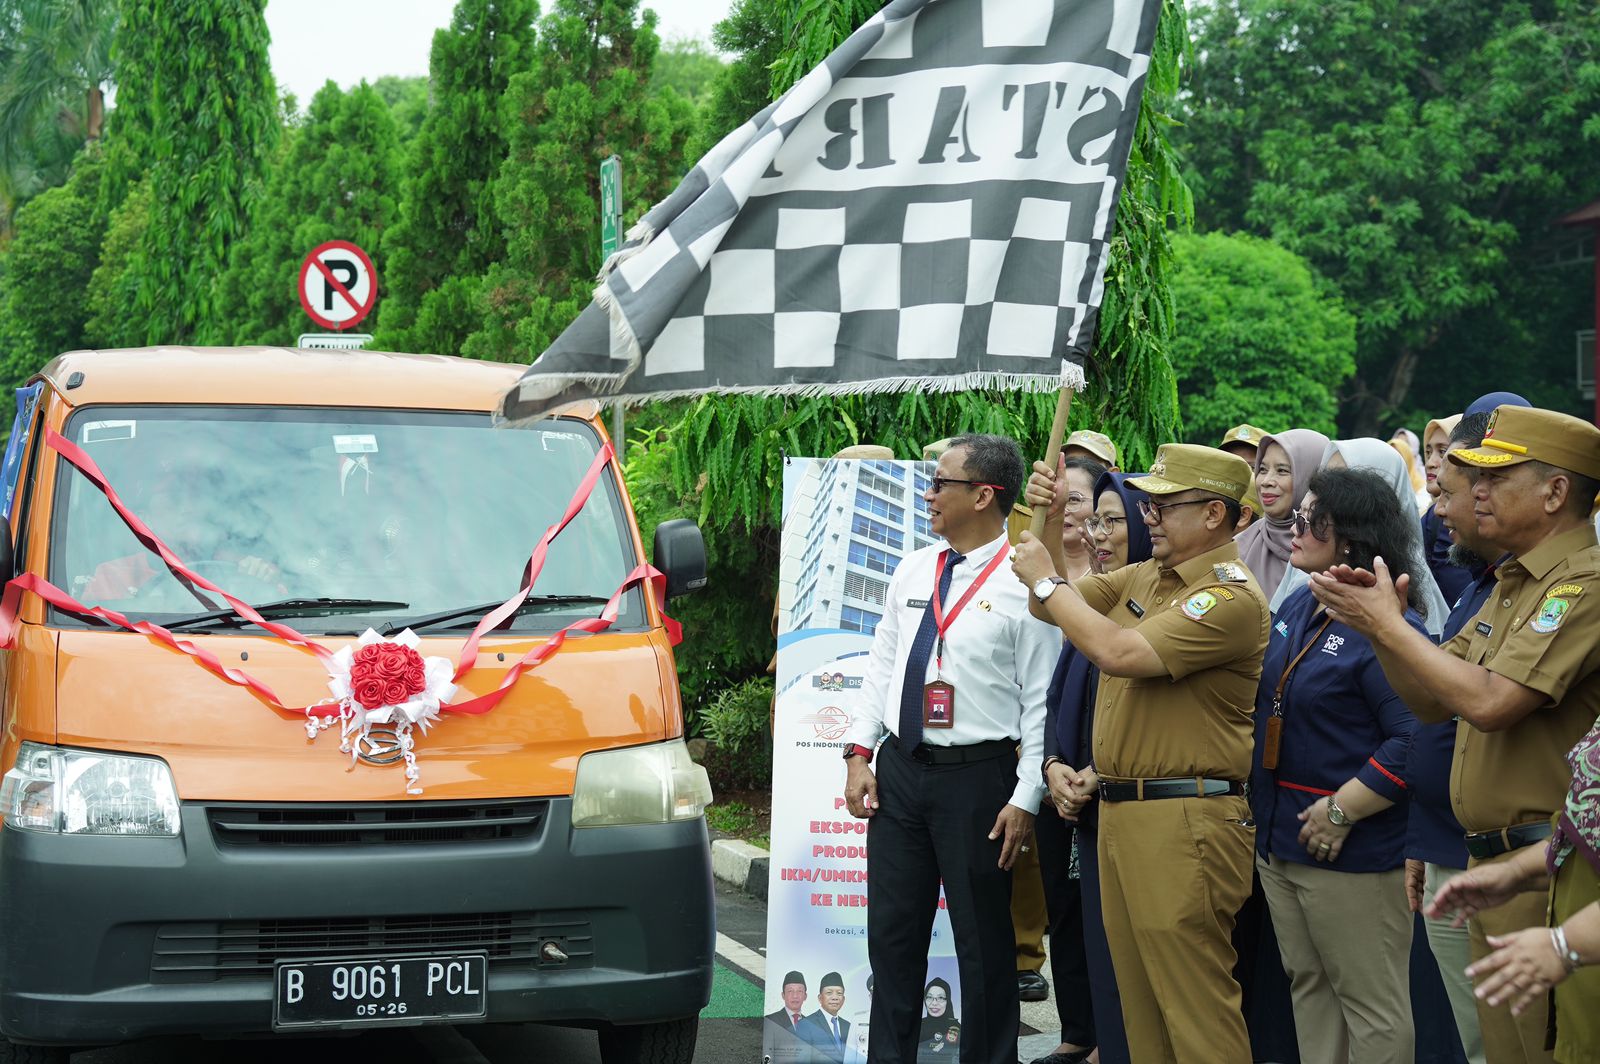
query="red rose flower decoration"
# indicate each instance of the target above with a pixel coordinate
(386, 674)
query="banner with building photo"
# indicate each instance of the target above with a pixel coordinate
(846, 525)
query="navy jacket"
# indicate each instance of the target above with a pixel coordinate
(1340, 719)
(1433, 833)
(1452, 579)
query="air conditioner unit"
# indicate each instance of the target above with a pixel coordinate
(1586, 356)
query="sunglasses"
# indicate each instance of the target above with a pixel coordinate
(940, 482)
(1155, 511)
(1317, 526)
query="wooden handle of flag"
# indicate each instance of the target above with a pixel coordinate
(1052, 452)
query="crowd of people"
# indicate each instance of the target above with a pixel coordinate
(1337, 681)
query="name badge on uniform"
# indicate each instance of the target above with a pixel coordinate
(1485, 628)
(938, 705)
(917, 604)
(1135, 609)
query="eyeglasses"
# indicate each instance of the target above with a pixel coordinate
(1107, 525)
(1155, 511)
(1317, 526)
(1075, 501)
(940, 482)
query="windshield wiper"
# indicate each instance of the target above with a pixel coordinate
(291, 607)
(476, 613)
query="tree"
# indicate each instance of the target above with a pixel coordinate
(196, 82)
(408, 100)
(55, 68)
(338, 180)
(743, 87)
(55, 250)
(1256, 341)
(113, 283)
(447, 227)
(688, 67)
(587, 97)
(1413, 152)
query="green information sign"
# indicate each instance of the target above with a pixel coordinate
(610, 206)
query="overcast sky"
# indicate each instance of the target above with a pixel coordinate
(347, 40)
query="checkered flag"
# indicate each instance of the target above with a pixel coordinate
(928, 209)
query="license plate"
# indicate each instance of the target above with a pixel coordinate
(370, 992)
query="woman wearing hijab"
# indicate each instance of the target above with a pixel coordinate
(1331, 743)
(940, 1037)
(1116, 541)
(1419, 479)
(1452, 579)
(1368, 453)
(1284, 463)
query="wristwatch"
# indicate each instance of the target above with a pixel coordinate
(1044, 588)
(1336, 816)
(854, 749)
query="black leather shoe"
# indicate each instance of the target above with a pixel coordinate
(1064, 1058)
(1032, 987)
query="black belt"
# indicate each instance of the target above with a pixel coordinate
(1179, 787)
(955, 755)
(1486, 844)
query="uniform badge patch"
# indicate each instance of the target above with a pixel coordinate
(1198, 605)
(1232, 572)
(1566, 591)
(1551, 614)
(1225, 593)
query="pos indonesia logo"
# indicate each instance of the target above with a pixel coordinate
(829, 722)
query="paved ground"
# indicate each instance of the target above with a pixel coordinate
(730, 1027)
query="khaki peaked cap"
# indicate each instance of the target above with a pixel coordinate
(1191, 467)
(1518, 434)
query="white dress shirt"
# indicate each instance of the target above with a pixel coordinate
(999, 659)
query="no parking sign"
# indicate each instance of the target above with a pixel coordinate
(338, 286)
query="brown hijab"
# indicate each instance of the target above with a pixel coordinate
(1264, 546)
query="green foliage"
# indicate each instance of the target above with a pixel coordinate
(337, 180)
(56, 247)
(447, 228)
(736, 720)
(111, 286)
(744, 86)
(55, 66)
(407, 98)
(732, 818)
(1415, 152)
(196, 88)
(1256, 340)
(689, 68)
(586, 97)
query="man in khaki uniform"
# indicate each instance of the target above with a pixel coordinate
(1525, 671)
(1179, 641)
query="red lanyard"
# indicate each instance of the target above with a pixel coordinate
(941, 620)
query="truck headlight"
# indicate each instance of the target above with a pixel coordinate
(639, 785)
(83, 792)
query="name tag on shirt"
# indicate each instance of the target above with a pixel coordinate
(1135, 609)
(1485, 628)
(917, 604)
(938, 705)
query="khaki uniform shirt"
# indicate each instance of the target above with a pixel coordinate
(1207, 621)
(1541, 629)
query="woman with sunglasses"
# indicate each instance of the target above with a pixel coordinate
(1327, 792)
(1114, 537)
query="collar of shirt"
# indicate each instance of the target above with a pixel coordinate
(1539, 561)
(974, 561)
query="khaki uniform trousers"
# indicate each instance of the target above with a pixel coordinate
(1345, 939)
(1029, 917)
(1452, 951)
(1509, 1039)
(1173, 874)
(1577, 1015)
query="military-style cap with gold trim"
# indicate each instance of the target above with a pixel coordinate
(1246, 434)
(1096, 443)
(1191, 467)
(1518, 434)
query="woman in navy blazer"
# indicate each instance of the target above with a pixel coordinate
(1328, 789)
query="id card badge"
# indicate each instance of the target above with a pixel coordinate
(938, 705)
(1272, 742)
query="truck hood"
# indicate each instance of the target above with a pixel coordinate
(120, 691)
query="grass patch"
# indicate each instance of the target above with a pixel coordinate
(732, 818)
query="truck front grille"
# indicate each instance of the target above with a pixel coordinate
(375, 823)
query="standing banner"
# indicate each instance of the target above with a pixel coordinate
(846, 525)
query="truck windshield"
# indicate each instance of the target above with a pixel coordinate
(419, 512)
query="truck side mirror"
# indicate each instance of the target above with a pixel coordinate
(680, 553)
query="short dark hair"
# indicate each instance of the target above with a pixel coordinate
(1365, 512)
(1581, 489)
(993, 460)
(1469, 431)
(1085, 465)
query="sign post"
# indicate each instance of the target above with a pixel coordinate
(338, 288)
(610, 241)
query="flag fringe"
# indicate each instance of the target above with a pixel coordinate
(1071, 376)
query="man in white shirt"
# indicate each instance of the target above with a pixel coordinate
(957, 676)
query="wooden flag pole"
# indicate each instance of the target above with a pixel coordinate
(1052, 452)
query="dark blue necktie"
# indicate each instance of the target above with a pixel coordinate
(910, 732)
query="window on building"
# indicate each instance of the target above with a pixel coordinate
(922, 524)
(855, 620)
(867, 588)
(871, 557)
(881, 507)
(888, 469)
(877, 532)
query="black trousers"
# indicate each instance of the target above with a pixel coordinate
(1063, 898)
(933, 823)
